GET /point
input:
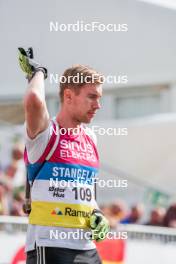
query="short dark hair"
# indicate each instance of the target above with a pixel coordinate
(84, 75)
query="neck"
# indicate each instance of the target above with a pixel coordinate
(65, 120)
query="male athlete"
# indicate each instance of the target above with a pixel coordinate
(62, 216)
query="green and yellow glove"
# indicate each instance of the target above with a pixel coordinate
(99, 225)
(28, 65)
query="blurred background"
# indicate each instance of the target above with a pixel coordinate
(145, 105)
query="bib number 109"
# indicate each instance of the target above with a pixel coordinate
(82, 193)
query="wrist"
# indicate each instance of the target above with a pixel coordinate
(41, 70)
(38, 72)
(97, 211)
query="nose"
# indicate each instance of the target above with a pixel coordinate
(97, 105)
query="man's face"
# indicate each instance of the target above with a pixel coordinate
(83, 106)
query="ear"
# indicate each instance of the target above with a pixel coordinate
(68, 95)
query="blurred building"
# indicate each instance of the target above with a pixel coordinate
(145, 54)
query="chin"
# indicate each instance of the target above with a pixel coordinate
(87, 120)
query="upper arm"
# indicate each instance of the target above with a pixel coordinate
(36, 147)
(36, 114)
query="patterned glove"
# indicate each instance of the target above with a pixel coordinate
(99, 225)
(28, 65)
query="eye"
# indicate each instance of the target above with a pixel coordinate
(92, 96)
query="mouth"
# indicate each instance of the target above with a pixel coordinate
(91, 114)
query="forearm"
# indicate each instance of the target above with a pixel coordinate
(36, 113)
(36, 86)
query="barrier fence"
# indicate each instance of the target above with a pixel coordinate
(144, 244)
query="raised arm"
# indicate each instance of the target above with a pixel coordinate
(36, 113)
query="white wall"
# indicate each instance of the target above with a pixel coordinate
(146, 53)
(147, 153)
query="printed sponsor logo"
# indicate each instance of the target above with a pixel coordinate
(57, 192)
(56, 211)
(71, 212)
